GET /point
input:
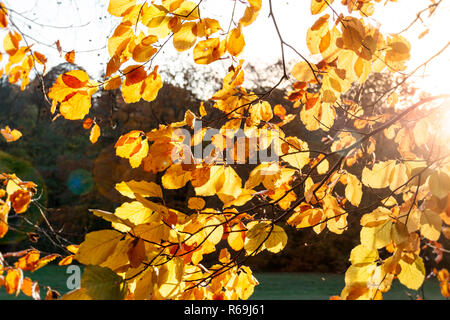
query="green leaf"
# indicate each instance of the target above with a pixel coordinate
(102, 283)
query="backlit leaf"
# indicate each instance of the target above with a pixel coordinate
(102, 283)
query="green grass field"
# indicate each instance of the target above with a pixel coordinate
(273, 286)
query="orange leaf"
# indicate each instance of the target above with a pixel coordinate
(11, 42)
(3, 17)
(279, 111)
(58, 47)
(235, 42)
(73, 248)
(95, 133)
(66, 261)
(28, 261)
(40, 57)
(134, 74)
(87, 124)
(4, 210)
(20, 200)
(27, 286)
(13, 281)
(113, 65)
(70, 56)
(72, 81)
(10, 135)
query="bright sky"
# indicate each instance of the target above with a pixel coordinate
(84, 25)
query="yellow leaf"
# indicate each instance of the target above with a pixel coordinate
(143, 188)
(361, 256)
(232, 188)
(255, 237)
(318, 115)
(430, 225)
(353, 190)
(206, 27)
(323, 167)
(379, 176)
(13, 281)
(170, 277)
(98, 246)
(196, 203)
(154, 231)
(133, 146)
(246, 283)
(108, 216)
(119, 41)
(236, 238)
(119, 8)
(10, 135)
(143, 53)
(151, 86)
(359, 275)
(132, 86)
(95, 133)
(175, 177)
(250, 15)
(172, 5)
(185, 38)
(209, 50)
(316, 32)
(317, 6)
(297, 154)
(399, 177)
(277, 240)
(412, 274)
(11, 43)
(439, 183)
(4, 210)
(214, 184)
(235, 42)
(376, 237)
(188, 10)
(113, 83)
(306, 216)
(134, 212)
(304, 72)
(73, 90)
(145, 283)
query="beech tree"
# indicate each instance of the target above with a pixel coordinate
(156, 251)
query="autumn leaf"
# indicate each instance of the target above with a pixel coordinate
(185, 38)
(20, 200)
(196, 203)
(102, 283)
(136, 254)
(120, 7)
(412, 274)
(73, 91)
(97, 246)
(95, 133)
(70, 56)
(13, 281)
(143, 188)
(132, 146)
(317, 6)
(235, 42)
(10, 135)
